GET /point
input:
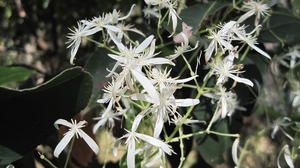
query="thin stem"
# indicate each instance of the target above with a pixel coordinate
(182, 158)
(47, 160)
(185, 136)
(102, 45)
(69, 152)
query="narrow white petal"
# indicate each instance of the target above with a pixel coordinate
(224, 107)
(137, 121)
(259, 50)
(226, 27)
(150, 54)
(62, 122)
(241, 80)
(183, 80)
(174, 20)
(234, 150)
(92, 144)
(186, 102)
(118, 58)
(63, 143)
(74, 50)
(146, 83)
(104, 100)
(129, 13)
(99, 124)
(275, 130)
(114, 38)
(158, 126)
(155, 142)
(131, 154)
(143, 97)
(113, 28)
(158, 61)
(144, 44)
(287, 157)
(246, 16)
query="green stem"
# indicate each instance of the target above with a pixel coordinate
(182, 158)
(102, 45)
(69, 152)
(185, 136)
(47, 160)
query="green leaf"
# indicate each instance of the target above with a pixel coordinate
(13, 74)
(27, 116)
(282, 27)
(7, 155)
(213, 147)
(195, 15)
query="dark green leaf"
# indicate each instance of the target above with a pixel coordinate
(213, 147)
(27, 116)
(195, 15)
(7, 155)
(282, 27)
(13, 74)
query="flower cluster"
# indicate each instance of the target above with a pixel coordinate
(141, 76)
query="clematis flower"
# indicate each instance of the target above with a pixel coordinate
(227, 103)
(241, 34)
(219, 39)
(163, 104)
(254, 8)
(225, 69)
(108, 117)
(131, 138)
(74, 130)
(75, 37)
(162, 78)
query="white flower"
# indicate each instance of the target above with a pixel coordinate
(254, 8)
(148, 12)
(162, 78)
(293, 56)
(132, 136)
(107, 117)
(278, 124)
(226, 105)
(225, 69)
(163, 104)
(74, 38)
(74, 130)
(220, 39)
(112, 94)
(241, 34)
(134, 58)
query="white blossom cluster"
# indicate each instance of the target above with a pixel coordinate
(140, 76)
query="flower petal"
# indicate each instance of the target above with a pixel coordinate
(63, 143)
(92, 144)
(155, 142)
(146, 83)
(234, 151)
(62, 122)
(144, 44)
(241, 80)
(131, 154)
(186, 102)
